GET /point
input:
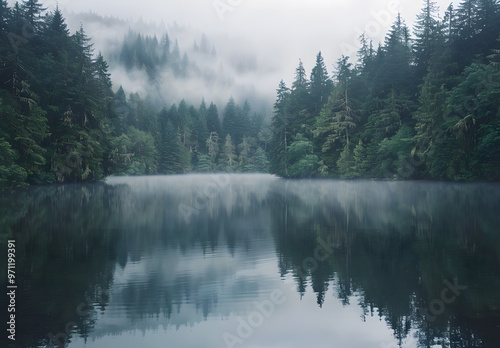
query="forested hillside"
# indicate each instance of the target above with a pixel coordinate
(61, 122)
(424, 104)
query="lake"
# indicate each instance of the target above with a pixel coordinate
(254, 261)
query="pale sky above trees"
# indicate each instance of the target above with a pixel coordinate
(279, 30)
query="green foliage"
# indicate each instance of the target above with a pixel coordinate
(11, 174)
(415, 108)
(281, 129)
(134, 153)
(213, 148)
(261, 163)
(213, 122)
(321, 85)
(423, 107)
(360, 164)
(303, 162)
(62, 122)
(394, 153)
(170, 149)
(488, 150)
(205, 164)
(345, 163)
(245, 162)
(229, 154)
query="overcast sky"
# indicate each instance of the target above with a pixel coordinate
(278, 32)
(299, 27)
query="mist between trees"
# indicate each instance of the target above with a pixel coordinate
(423, 104)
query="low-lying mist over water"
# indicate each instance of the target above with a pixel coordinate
(226, 260)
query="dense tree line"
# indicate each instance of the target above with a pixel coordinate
(55, 99)
(418, 106)
(422, 106)
(156, 56)
(62, 122)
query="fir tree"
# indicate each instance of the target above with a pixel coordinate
(320, 85)
(213, 123)
(229, 154)
(281, 132)
(428, 36)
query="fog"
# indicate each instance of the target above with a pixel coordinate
(258, 42)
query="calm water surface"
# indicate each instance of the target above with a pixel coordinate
(254, 261)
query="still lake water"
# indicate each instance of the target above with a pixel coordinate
(254, 261)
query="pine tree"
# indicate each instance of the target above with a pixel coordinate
(260, 162)
(180, 119)
(245, 162)
(82, 76)
(229, 120)
(205, 164)
(165, 48)
(467, 19)
(346, 163)
(477, 26)
(175, 57)
(102, 75)
(103, 94)
(56, 35)
(121, 111)
(170, 150)
(395, 71)
(281, 132)
(26, 124)
(126, 57)
(299, 101)
(360, 163)
(32, 12)
(229, 154)
(199, 132)
(203, 109)
(242, 124)
(11, 174)
(320, 86)
(428, 36)
(213, 123)
(300, 84)
(338, 116)
(184, 66)
(365, 53)
(213, 147)
(450, 24)
(488, 25)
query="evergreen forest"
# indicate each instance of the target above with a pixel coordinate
(423, 104)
